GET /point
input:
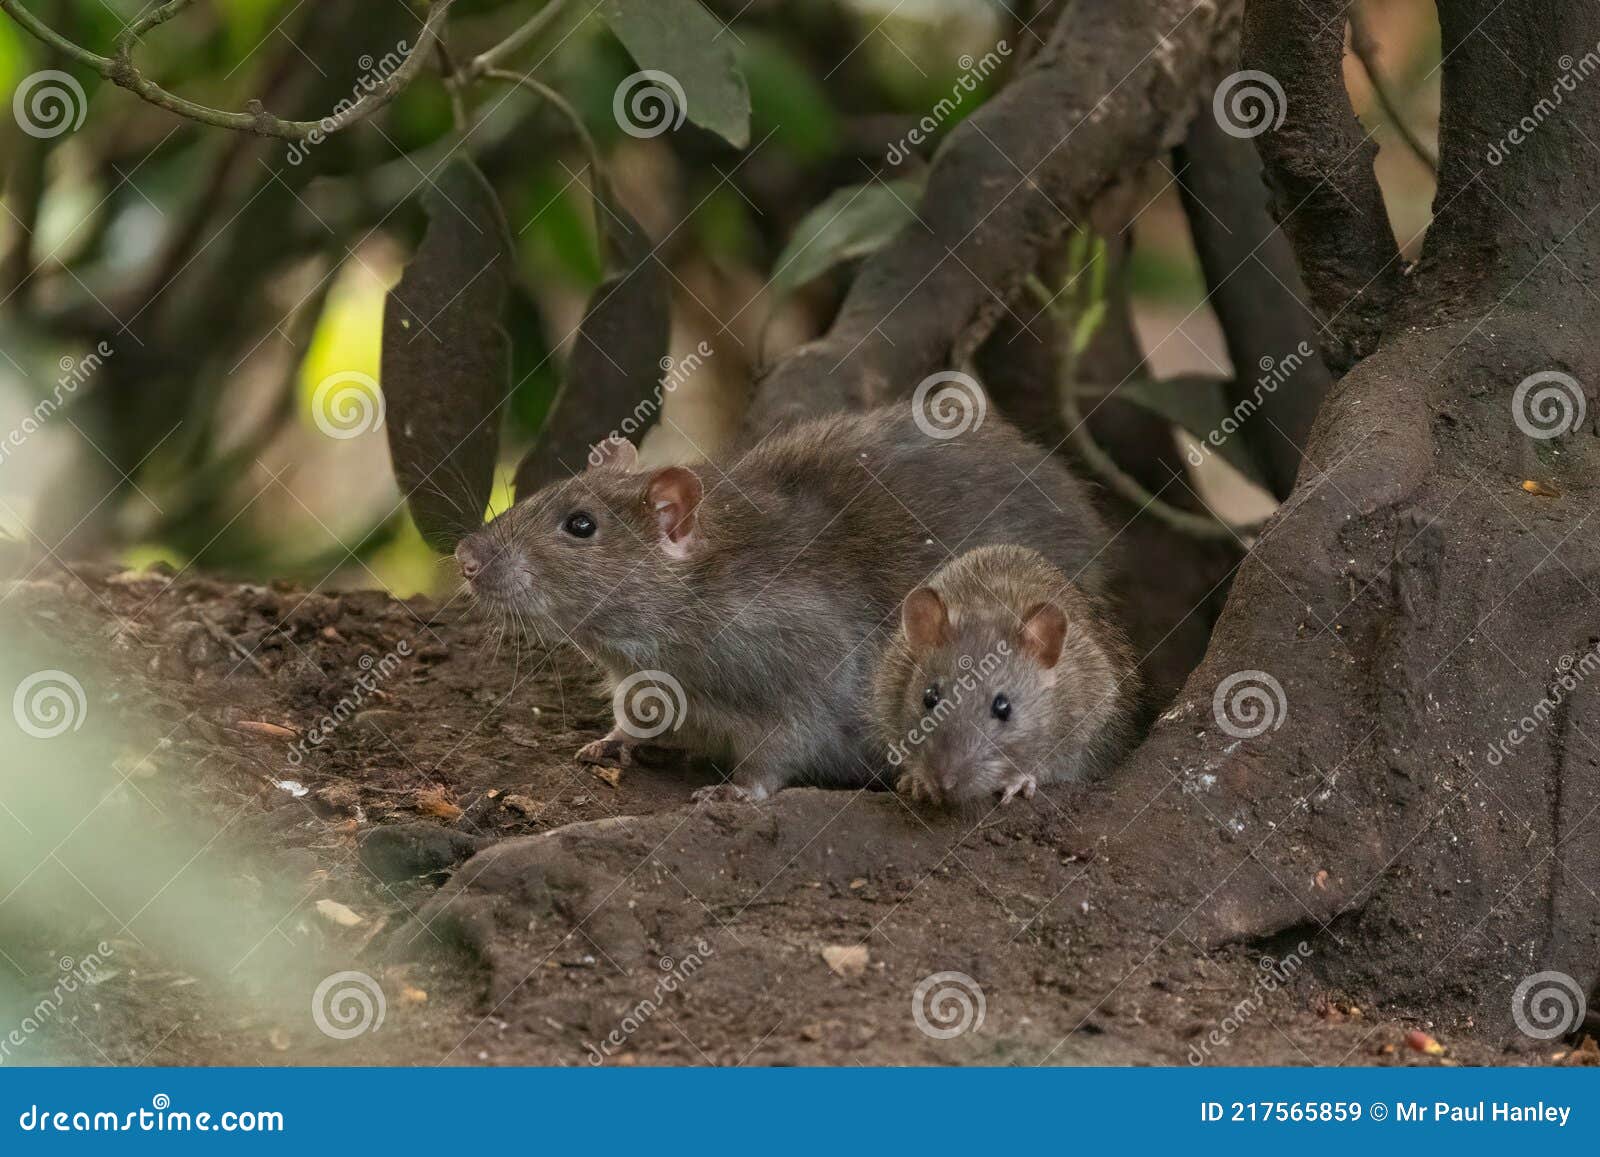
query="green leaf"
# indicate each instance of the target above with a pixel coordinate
(446, 357)
(691, 56)
(1200, 406)
(850, 223)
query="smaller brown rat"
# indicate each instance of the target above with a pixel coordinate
(1003, 675)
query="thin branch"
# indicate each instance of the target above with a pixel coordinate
(487, 61)
(1094, 456)
(121, 71)
(1366, 51)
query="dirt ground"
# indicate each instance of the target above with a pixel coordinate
(515, 907)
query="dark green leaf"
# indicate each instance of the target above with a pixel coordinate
(850, 223)
(694, 53)
(446, 357)
(612, 380)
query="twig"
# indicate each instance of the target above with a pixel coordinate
(121, 71)
(485, 62)
(1366, 51)
(597, 177)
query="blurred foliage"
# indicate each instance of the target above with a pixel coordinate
(230, 281)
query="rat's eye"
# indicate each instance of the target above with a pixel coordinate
(930, 696)
(1000, 708)
(579, 524)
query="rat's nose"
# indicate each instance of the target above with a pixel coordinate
(471, 563)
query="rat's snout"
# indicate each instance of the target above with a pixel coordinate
(470, 558)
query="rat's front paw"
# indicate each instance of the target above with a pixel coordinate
(1022, 784)
(729, 793)
(607, 752)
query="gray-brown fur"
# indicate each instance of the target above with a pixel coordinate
(1067, 685)
(770, 611)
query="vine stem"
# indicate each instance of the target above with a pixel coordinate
(1202, 526)
(121, 71)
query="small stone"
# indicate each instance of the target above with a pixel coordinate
(846, 960)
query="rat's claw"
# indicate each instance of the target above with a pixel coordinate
(728, 793)
(606, 753)
(1025, 784)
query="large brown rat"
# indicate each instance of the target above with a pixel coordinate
(1004, 675)
(739, 610)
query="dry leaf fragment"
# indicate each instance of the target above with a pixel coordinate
(265, 729)
(411, 994)
(611, 775)
(433, 801)
(337, 913)
(521, 804)
(1540, 489)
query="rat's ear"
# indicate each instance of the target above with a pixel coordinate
(673, 497)
(614, 453)
(1044, 630)
(925, 618)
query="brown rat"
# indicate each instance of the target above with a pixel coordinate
(1004, 675)
(739, 610)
